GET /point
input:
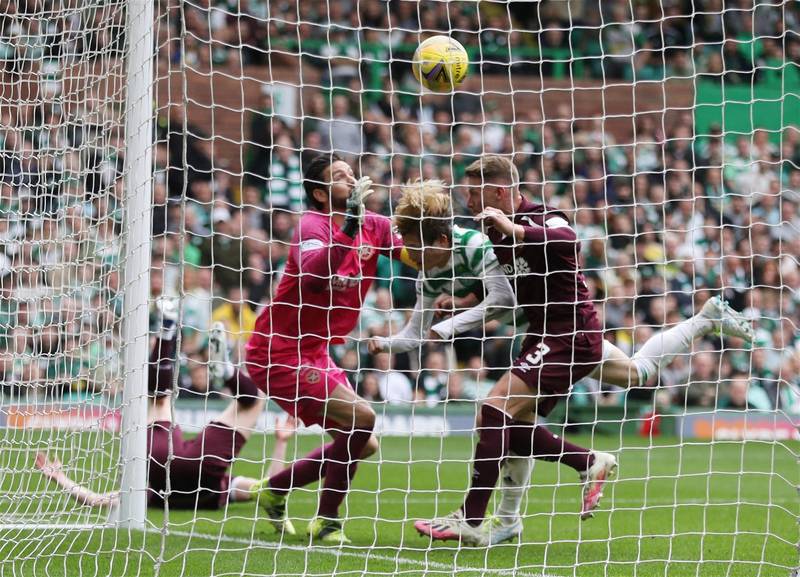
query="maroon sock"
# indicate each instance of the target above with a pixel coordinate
(493, 446)
(162, 366)
(540, 443)
(244, 389)
(307, 470)
(341, 461)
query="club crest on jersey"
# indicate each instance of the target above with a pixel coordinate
(366, 252)
(313, 376)
(520, 266)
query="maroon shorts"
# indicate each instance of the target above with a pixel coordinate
(198, 468)
(301, 387)
(552, 364)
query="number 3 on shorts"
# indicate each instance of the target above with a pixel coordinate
(533, 360)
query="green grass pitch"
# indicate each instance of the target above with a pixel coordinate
(691, 508)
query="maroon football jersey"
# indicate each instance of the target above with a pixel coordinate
(544, 272)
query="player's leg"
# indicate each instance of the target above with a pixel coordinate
(618, 368)
(563, 360)
(593, 467)
(247, 488)
(242, 414)
(319, 394)
(510, 397)
(515, 480)
(351, 421)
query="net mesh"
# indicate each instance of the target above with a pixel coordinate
(666, 134)
(62, 209)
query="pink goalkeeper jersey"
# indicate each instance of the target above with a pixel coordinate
(323, 286)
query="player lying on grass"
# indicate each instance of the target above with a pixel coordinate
(197, 469)
(452, 261)
(539, 251)
(332, 263)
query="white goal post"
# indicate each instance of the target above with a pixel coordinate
(92, 408)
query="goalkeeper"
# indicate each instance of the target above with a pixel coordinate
(197, 469)
(332, 263)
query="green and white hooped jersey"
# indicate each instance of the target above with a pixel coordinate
(471, 257)
(472, 263)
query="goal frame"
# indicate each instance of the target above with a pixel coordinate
(132, 510)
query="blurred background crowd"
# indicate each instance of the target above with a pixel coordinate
(666, 220)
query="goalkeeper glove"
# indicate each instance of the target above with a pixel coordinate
(355, 206)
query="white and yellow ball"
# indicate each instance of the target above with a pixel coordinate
(440, 63)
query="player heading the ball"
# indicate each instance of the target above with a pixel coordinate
(452, 261)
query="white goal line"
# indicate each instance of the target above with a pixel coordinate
(337, 552)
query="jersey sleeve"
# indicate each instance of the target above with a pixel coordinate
(556, 229)
(412, 335)
(499, 298)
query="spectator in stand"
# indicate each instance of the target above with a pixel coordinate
(369, 388)
(259, 147)
(341, 131)
(394, 387)
(701, 388)
(736, 395)
(436, 382)
(285, 182)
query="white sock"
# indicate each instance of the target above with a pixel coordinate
(515, 480)
(167, 333)
(228, 369)
(661, 348)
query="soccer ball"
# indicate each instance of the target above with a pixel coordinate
(440, 63)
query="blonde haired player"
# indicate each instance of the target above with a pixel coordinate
(452, 261)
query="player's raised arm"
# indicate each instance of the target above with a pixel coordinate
(322, 245)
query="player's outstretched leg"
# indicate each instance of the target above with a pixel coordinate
(245, 392)
(726, 320)
(220, 366)
(660, 349)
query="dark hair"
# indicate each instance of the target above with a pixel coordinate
(313, 178)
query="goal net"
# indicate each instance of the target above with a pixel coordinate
(66, 244)
(157, 150)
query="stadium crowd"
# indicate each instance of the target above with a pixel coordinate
(665, 222)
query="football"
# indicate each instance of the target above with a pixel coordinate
(440, 63)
